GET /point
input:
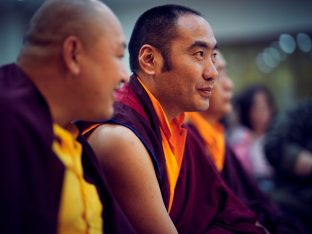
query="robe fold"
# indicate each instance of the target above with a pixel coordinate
(202, 202)
(238, 180)
(31, 175)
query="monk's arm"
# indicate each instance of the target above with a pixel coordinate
(131, 176)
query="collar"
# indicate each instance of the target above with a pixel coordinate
(65, 145)
(173, 138)
(169, 128)
(212, 135)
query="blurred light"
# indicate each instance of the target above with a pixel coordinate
(268, 60)
(304, 42)
(274, 53)
(287, 43)
(282, 54)
(263, 67)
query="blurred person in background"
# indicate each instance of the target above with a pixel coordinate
(256, 109)
(237, 135)
(288, 147)
(211, 133)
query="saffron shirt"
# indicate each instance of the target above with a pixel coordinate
(80, 207)
(32, 176)
(202, 203)
(173, 140)
(212, 138)
(212, 135)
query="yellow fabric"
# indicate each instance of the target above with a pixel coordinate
(213, 136)
(173, 142)
(80, 207)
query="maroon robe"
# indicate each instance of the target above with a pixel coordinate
(238, 180)
(31, 175)
(202, 202)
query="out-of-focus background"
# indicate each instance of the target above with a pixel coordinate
(267, 42)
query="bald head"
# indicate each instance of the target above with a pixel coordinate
(72, 52)
(57, 19)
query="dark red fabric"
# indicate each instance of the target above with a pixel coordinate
(248, 192)
(31, 175)
(202, 202)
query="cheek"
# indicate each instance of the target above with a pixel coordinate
(110, 75)
(103, 88)
(118, 71)
(215, 103)
(217, 92)
(185, 90)
(214, 100)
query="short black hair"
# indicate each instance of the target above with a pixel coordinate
(246, 102)
(156, 27)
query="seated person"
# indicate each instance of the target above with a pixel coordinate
(155, 171)
(50, 180)
(288, 148)
(210, 132)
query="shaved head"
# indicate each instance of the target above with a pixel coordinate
(72, 51)
(57, 19)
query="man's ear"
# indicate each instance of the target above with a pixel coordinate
(150, 59)
(72, 49)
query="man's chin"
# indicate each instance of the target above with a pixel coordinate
(104, 115)
(204, 106)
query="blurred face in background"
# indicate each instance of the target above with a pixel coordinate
(220, 100)
(104, 69)
(260, 112)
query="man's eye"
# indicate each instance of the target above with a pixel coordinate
(214, 57)
(199, 54)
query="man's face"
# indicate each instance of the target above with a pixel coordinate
(220, 101)
(105, 71)
(187, 86)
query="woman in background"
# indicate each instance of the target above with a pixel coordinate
(256, 110)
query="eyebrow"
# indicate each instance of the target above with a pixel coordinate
(201, 44)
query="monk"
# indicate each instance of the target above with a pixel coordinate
(209, 130)
(162, 181)
(69, 68)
